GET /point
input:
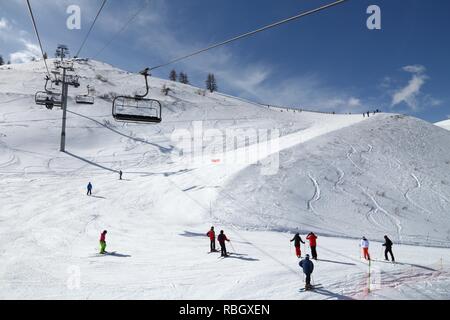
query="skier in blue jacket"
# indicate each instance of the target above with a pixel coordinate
(308, 266)
(89, 189)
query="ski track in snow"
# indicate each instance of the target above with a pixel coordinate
(417, 187)
(350, 153)
(396, 222)
(316, 196)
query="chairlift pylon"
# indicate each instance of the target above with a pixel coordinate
(85, 98)
(137, 108)
(48, 98)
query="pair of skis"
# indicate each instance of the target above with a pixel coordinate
(311, 288)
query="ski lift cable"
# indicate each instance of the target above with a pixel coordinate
(90, 29)
(38, 37)
(147, 2)
(272, 25)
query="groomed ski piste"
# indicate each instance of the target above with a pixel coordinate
(341, 176)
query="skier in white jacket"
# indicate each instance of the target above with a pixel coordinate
(365, 246)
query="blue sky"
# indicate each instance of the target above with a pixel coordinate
(328, 61)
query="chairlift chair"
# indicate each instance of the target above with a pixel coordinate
(85, 98)
(137, 108)
(48, 98)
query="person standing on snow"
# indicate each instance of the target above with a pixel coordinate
(120, 174)
(89, 189)
(308, 268)
(103, 242)
(365, 247)
(388, 244)
(222, 238)
(297, 240)
(311, 237)
(212, 237)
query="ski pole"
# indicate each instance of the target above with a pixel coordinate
(232, 246)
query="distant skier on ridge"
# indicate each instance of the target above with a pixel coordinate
(297, 240)
(89, 189)
(212, 237)
(222, 238)
(312, 244)
(388, 244)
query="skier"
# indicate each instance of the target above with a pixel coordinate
(308, 267)
(368, 114)
(364, 115)
(297, 239)
(222, 238)
(103, 242)
(212, 237)
(365, 246)
(312, 244)
(120, 174)
(89, 189)
(388, 244)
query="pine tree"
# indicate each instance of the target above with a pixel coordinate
(2, 62)
(173, 75)
(183, 78)
(211, 83)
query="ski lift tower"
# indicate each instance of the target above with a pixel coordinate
(66, 80)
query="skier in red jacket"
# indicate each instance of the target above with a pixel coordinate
(222, 238)
(212, 237)
(312, 244)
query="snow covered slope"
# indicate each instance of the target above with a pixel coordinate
(444, 124)
(389, 174)
(341, 175)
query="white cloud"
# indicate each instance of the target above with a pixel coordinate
(415, 69)
(354, 102)
(409, 94)
(30, 52)
(4, 25)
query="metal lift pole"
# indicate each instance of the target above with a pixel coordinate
(64, 107)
